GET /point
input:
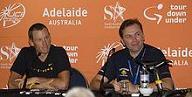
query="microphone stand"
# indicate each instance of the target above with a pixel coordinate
(25, 80)
(102, 85)
(158, 82)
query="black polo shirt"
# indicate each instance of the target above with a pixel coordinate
(122, 66)
(27, 62)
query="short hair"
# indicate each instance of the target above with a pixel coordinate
(35, 27)
(127, 23)
(80, 92)
(188, 94)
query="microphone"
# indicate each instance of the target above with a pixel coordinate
(110, 53)
(153, 62)
(104, 69)
(150, 65)
(160, 63)
(25, 80)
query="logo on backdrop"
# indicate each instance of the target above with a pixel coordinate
(155, 17)
(103, 53)
(176, 14)
(113, 15)
(72, 52)
(12, 14)
(8, 55)
(180, 56)
(65, 16)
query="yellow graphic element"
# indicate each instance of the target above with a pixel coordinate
(123, 72)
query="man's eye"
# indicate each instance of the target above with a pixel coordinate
(38, 39)
(128, 36)
(138, 34)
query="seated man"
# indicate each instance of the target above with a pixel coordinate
(41, 65)
(124, 64)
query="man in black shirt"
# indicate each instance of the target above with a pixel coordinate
(126, 64)
(41, 65)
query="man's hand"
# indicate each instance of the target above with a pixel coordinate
(21, 82)
(45, 85)
(36, 82)
(119, 87)
(133, 88)
(116, 85)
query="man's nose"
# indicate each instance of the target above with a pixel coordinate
(44, 41)
(134, 38)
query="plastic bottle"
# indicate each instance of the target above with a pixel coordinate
(144, 78)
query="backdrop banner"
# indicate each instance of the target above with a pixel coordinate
(88, 29)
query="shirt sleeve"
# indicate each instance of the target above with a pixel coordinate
(108, 70)
(19, 65)
(163, 70)
(62, 60)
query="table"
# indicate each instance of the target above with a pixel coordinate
(61, 93)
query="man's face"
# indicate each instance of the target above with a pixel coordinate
(133, 38)
(41, 41)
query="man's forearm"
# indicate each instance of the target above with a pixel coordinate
(167, 83)
(15, 80)
(95, 85)
(96, 82)
(13, 85)
(60, 83)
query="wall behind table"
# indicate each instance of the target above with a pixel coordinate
(87, 29)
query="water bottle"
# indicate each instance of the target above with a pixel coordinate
(144, 78)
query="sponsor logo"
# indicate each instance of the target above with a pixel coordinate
(12, 14)
(179, 56)
(123, 71)
(65, 16)
(8, 55)
(104, 52)
(176, 14)
(155, 17)
(72, 52)
(113, 15)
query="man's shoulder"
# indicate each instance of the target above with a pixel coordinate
(57, 49)
(124, 50)
(27, 52)
(27, 49)
(153, 52)
(121, 53)
(152, 48)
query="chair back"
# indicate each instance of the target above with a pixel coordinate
(77, 79)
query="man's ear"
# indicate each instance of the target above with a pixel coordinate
(30, 42)
(143, 37)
